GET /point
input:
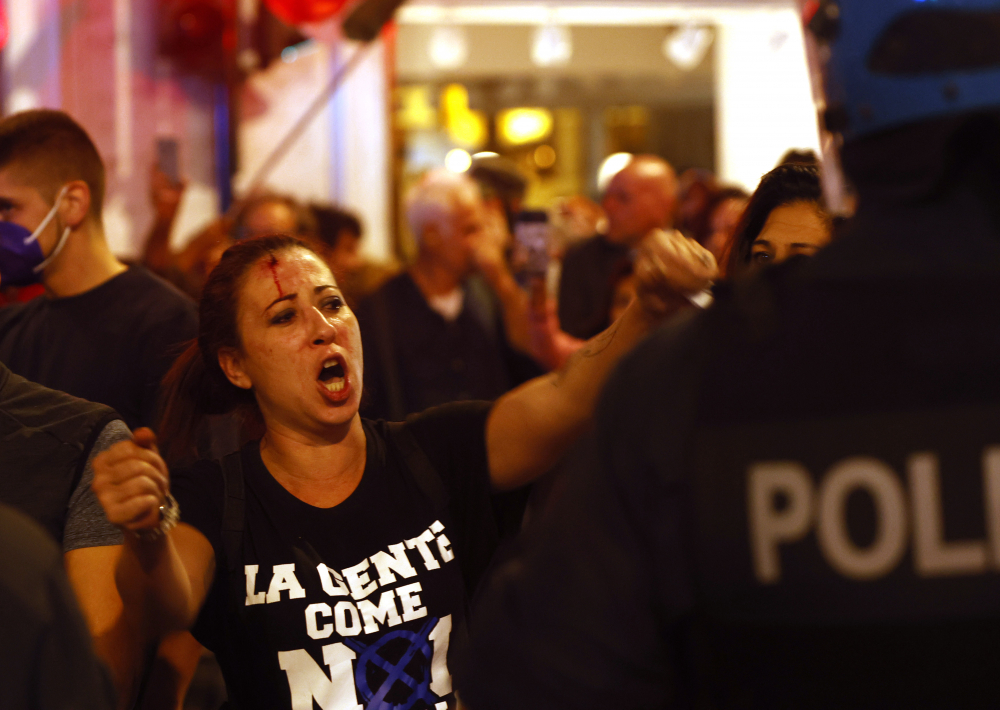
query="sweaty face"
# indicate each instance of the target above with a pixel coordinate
(24, 205)
(301, 347)
(634, 207)
(790, 230)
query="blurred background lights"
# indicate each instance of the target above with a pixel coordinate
(518, 126)
(687, 46)
(552, 46)
(544, 156)
(465, 127)
(486, 154)
(611, 166)
(458, 160)
(449, 47)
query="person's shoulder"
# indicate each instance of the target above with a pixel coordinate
(451, 431)
(15, 313)
(25, 545)
(449, 414)
(584, 248)
(34, 406)
(662, 372)
(393, 299)
(151, 289)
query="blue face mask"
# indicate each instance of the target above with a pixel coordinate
(21, 257)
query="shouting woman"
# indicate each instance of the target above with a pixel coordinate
(331, 560)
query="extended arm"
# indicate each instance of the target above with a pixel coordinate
(530, 428)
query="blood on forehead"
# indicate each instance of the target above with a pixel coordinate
(272, 265)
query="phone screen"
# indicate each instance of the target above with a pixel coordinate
(531, 243)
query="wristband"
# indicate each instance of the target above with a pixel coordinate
(170, 515)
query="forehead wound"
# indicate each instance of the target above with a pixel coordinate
(270, 264)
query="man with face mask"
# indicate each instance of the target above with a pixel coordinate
(793, 497)
(102, 332)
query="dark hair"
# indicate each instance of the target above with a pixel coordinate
(729, 192)
(800, 156)
(331, 221)
(196, 386)
(49, 149)
(784, 185)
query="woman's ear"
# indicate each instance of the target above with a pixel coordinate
(75, 203)
(232, 366)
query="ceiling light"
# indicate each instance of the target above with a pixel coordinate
(519, 126)
(552, 45)
(458, 160)
(449, 47)
(686, 47)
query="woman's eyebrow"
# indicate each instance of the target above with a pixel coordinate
(287, 297)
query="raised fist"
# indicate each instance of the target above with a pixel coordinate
(131, 481)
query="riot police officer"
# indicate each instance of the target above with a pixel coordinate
(793, 497)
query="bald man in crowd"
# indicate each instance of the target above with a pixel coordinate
(435, 333)
(640, 198)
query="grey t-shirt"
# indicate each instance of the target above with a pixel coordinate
(86, 524)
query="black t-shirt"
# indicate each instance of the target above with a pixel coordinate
(791, 499)
(350, 605)
(112, 344)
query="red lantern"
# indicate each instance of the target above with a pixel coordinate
(297, 12)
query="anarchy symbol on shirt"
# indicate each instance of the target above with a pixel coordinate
(389, 675)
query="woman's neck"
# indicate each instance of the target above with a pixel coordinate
(317, 471)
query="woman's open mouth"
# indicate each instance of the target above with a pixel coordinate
(332, 375)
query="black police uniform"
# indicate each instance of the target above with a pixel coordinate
(792, 499)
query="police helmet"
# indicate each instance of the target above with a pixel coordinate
(896, 62)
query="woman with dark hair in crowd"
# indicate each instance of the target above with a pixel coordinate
(331, 558)
(785, 217)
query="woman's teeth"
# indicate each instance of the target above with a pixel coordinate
(335, 385)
